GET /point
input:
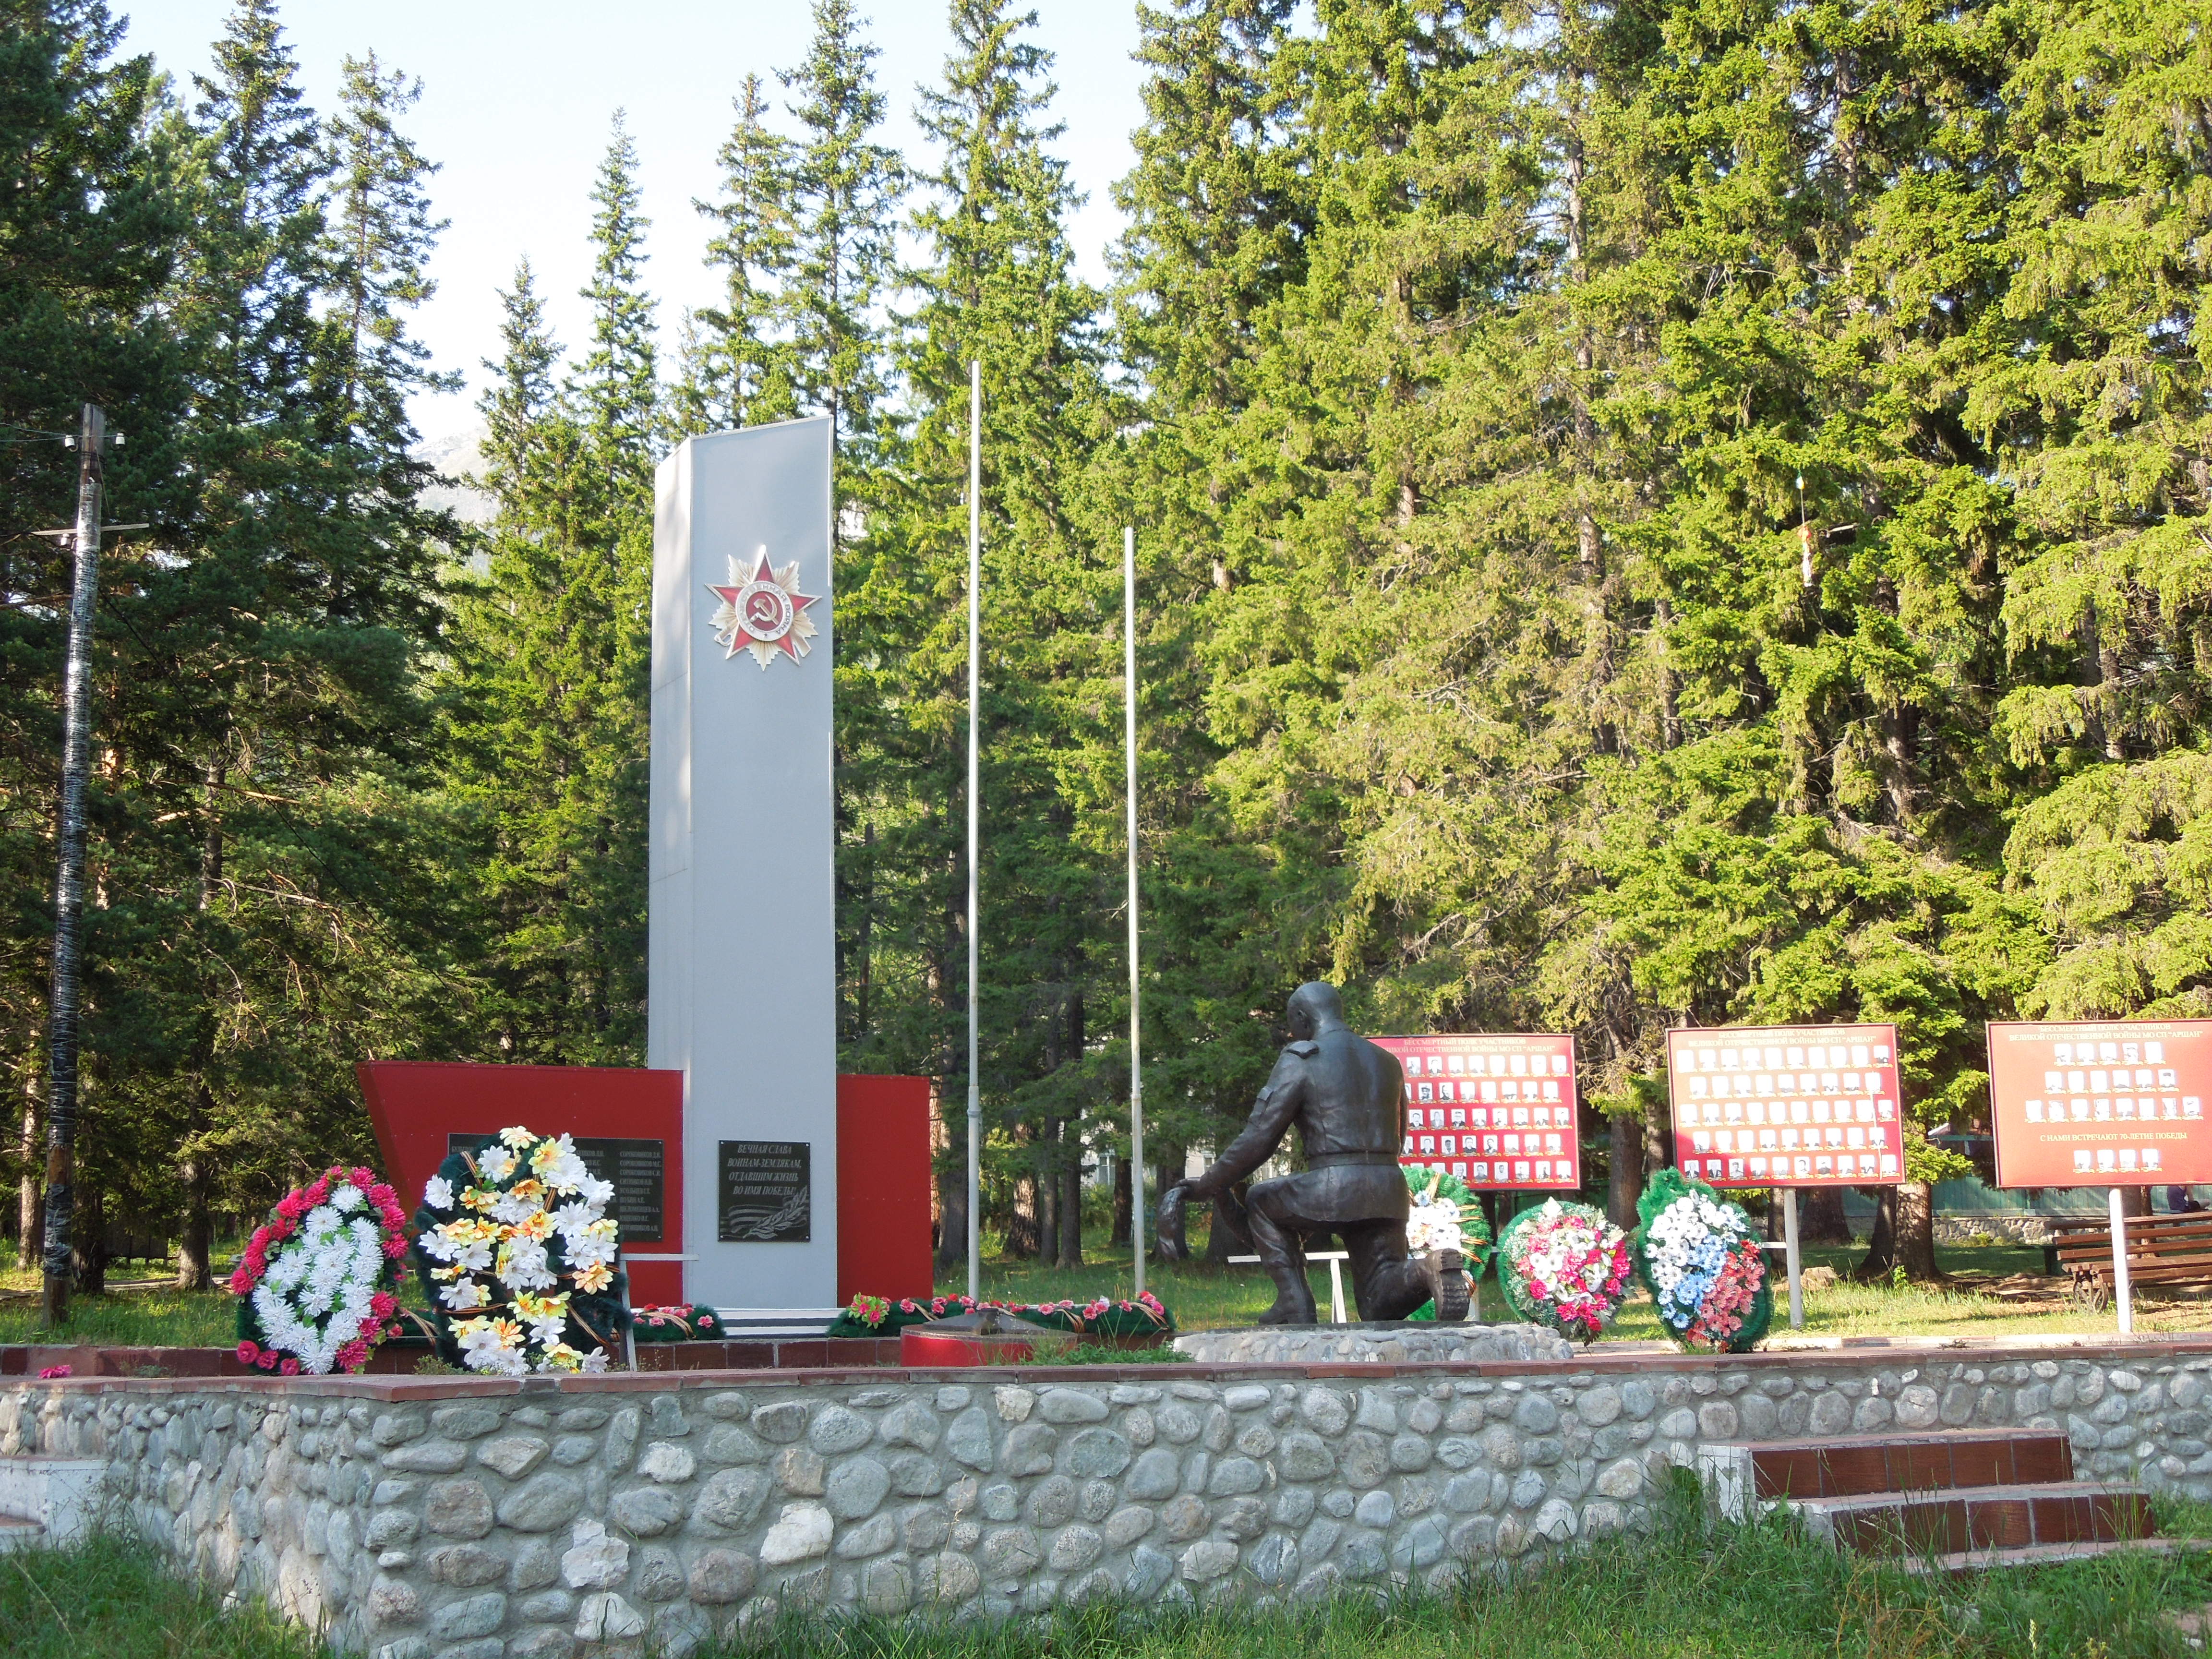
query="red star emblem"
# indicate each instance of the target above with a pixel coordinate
(764, 613)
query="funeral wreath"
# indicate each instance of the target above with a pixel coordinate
(317, 1286)
(1565, 1267)
(516, 1251)
(1701, 1261)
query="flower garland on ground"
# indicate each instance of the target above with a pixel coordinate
(1699, 1258)
(681, 1321)
(1447, 1215)
(517, 1252)
(317, 1287)
(1565, 1265)
(879, 1315)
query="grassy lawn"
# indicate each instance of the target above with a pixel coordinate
(1686, 1592)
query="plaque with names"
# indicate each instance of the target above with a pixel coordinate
(763, 1192)
(2101, 1102)
(1787, 1105)
(1496, 1110)
(637, 1168)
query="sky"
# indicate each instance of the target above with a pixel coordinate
(517, 100)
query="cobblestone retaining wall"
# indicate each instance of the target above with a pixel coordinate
(440, 1518)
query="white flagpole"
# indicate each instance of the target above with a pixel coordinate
(974, 680)
(1136, 1058)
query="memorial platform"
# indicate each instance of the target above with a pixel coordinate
(409, 1514)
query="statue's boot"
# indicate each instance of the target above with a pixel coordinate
(1447, 1284)
(1283, 1255)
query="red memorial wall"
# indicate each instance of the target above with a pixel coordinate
(628, 1124)
(882, 1188)
(1787, 1105)
(2101, 1103)
(1496, 1111)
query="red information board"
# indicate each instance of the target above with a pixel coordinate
(1499, 1112)
(2101, 1103)
(1787, 1105)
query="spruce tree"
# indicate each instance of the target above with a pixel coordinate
(280, 917)
(93, 227)
(553, 653)
(739, 369)
(843, 190)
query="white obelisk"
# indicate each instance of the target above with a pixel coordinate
(742, 955)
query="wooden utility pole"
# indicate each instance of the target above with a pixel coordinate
(69, 881)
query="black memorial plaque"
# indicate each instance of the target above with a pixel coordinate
(638, 1170)
(763, 1192)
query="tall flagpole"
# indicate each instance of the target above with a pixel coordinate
(1136, 1057)
(974, 680)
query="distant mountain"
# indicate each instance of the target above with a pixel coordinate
(457, 458)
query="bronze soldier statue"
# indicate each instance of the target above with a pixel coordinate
(1348, 1098)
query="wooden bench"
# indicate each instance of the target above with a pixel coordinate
(2162, 1249)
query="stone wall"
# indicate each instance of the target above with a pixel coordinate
(441, 1518)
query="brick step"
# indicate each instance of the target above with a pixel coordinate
(1980, 1518)
(1941, 1459)
(2044, 1555)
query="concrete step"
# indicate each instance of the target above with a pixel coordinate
(16, 1533)
(1766, 1471)
(1961, 1521)
(57, 1498)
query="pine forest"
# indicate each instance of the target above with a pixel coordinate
(1649, 512)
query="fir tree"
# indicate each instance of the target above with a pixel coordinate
(739, 368)
(844, 191)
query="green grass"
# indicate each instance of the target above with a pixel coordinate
(154, 1319)
(1690, 1589)
(109, 1599)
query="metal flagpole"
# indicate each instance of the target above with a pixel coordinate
(1136, 1053)
(974, 680)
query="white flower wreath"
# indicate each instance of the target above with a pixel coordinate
(528, 1236)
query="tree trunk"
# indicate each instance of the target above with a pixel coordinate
(952, 1222)
(1021, 1240)
(1124, 1201)
(1915, 1233)
(89, 1241)
(1881, 1242)
(1626, 1182)
(1048, 1194)
(195, 1271)
(1658, 1152)
(1070, 1212)
(1820, 1218)
(2135, 1201)
(30, 1204)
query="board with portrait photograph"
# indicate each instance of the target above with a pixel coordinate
(1787, 1105)
(2101, 1103)
(1496, 1111)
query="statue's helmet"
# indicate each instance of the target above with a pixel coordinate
(1312, 1005)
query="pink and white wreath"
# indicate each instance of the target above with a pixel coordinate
(317, 1284)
